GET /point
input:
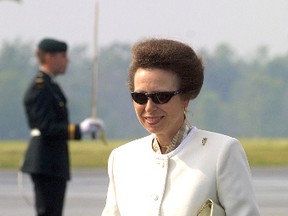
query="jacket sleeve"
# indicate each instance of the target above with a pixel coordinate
(74, 132)
(111, 206)
(234, 182)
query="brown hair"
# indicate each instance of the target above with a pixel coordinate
(173, 56)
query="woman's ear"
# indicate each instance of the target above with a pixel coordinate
(186, 103)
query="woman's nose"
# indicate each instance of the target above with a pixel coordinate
(150, 105)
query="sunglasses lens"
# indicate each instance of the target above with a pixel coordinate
(162, 97)
(157, 97)
(139, 98)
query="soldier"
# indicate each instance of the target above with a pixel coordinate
(47, 158)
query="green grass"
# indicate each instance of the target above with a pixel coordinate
(10, 153)
(93, 154)
(83, 154)
(266, 152)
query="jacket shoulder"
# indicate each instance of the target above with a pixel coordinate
(213, 135)
(37, 87)
(213, 140)
(137, 145)
(40, 81)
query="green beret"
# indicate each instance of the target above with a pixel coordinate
(52, 46)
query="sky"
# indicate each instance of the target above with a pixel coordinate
(243, 24)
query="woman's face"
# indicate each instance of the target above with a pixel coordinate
(164, 120)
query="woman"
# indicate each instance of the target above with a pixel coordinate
(173, 171)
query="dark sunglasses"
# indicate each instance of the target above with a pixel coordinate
(157, 97)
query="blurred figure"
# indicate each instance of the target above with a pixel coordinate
(175, 169)
(47, 156)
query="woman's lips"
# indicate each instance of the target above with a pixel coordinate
(153, 120)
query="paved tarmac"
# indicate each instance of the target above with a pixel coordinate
(87, 192)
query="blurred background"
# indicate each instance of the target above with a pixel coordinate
(244, 45)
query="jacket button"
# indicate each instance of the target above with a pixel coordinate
(155, 197)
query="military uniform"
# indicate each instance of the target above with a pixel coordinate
(47, 114)
(47, 156)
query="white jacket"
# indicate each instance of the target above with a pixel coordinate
(144, 183)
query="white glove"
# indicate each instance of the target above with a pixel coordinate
(91, 125)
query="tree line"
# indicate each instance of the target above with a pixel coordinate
(242, 97)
